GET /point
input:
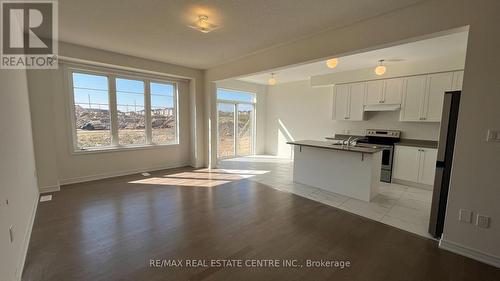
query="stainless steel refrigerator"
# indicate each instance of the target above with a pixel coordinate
(444, 162)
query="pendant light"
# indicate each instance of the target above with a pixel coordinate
(380, 69)
(332, 63)
(272, 81)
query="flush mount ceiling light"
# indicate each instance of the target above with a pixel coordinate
(332, 63)
(272, 81)
(380, 69)
(203, 25)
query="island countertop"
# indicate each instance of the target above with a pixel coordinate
(370, 149)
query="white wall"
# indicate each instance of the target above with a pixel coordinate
(51, 117)
(297, 111)
(17, 172)
(260, 108)
(474, 183)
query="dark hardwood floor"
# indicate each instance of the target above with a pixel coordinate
(111, 229)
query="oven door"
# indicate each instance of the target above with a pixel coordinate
(387, 158)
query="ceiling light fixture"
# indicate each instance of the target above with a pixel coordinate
(272, 81)
(380, 69)
(332, 63)
(203, 25)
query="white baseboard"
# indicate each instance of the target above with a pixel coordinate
(27, 237)
(120, 173)
(470, 253)
(413, 184)
(50, 188)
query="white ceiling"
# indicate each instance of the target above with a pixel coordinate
(428, 49)
(158, 29)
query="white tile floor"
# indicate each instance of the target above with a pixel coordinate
(401, 206)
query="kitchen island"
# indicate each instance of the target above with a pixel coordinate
(352, 171)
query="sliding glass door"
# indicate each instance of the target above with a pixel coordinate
(226, 130)
(235, 124)
(244, 141)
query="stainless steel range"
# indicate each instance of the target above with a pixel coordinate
(384, 139)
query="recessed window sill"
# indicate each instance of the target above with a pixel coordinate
(121, 148)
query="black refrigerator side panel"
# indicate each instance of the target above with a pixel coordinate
(444, 163)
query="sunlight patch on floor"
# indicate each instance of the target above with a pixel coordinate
(201, 177)
(181, 182)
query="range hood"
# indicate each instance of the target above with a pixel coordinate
(382, 107)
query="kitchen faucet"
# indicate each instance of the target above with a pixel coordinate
(348, 141)
(351, 141)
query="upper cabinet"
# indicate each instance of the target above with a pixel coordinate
(341, 102)
(437, 84)
(348, 102)
(423, 97)
(386, 91)
(374, 92)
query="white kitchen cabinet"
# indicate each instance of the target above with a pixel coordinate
(423, 97)
(427, 171)
(413, 98)
(374, 92)
(388, 91)
(357, 97)
(458, 78)
(406, 163)
(341, 102)
(437, 84)
(415, 164)
(348, 102)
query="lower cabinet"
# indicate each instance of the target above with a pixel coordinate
(415, 164)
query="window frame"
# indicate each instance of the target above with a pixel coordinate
(112, 75)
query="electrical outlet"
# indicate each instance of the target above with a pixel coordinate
(465, 215)
(483, 221)
(45, 198)
(493, 136)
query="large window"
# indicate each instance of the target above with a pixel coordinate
(163, 108)
(131, 114)
(113, 111)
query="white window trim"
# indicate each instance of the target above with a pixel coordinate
(112, 74)
(254, 119)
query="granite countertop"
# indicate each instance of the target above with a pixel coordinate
(329, 145)
(418, 143)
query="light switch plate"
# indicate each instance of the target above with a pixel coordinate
(493, 135)
(465, 215)
(482, 221)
